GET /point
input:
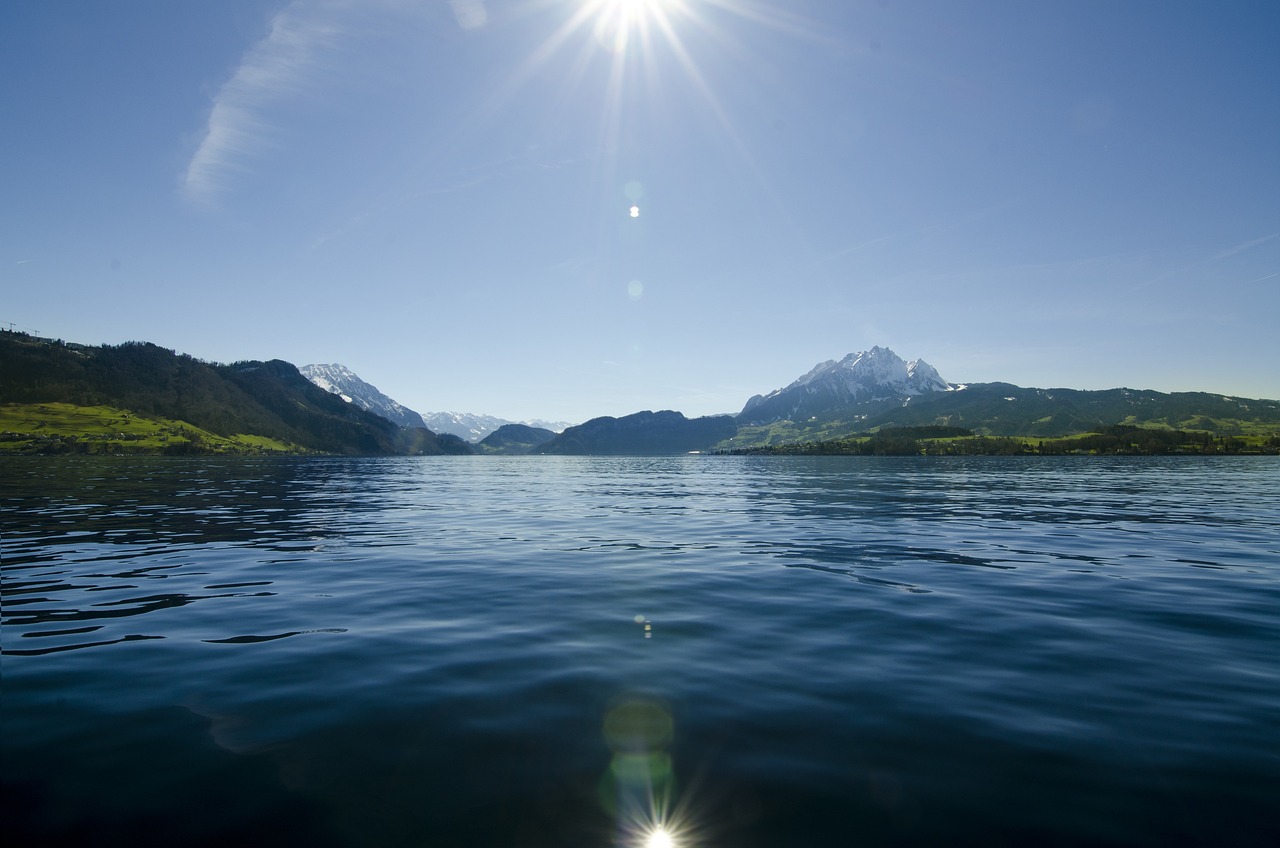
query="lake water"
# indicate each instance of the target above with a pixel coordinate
(746, 651)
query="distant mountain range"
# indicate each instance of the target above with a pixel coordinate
(342, 381)
(137, 397)
(642, 434)
(475, 427)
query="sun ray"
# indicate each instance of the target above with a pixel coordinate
(635, 46)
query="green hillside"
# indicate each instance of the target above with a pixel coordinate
(1005, 410)
(176, 403)
(66, 428)
(1116, 440)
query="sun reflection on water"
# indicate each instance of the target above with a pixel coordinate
(639, 787)
(660, 837)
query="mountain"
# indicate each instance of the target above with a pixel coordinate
(831, 387)
(543, 424)
(250, 406)
(136, 397)
(343, 382)
(642, 434)
(514, 439)
(465, 425)
(1003, 409)
(876, 390)
(474, 427)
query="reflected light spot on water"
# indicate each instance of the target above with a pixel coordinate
(659, 838)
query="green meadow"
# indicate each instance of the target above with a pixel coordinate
(44, 428)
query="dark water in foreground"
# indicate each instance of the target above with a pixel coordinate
(553, 652)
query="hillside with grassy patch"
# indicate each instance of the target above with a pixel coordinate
(1116, 440)
(145, 398)
(57, 428)
(1005, 410)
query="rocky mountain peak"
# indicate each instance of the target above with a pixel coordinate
(877, 374)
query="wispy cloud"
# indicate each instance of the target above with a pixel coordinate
(854, 248)
(278, 66)
(1220, 255)
(1243, 246)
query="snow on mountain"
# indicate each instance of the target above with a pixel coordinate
(542, 424)
(830, 387)
(924, 378)
(473, 427)
(467, 425)
(342, 381)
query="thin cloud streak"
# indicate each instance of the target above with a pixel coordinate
(1224, 254)
(273, 68)
(1240, 248)
(854, 248)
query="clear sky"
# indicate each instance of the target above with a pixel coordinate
(438, 193)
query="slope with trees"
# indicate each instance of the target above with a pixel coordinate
(270, 400)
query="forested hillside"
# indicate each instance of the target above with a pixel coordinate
(1003, 409)
(641, 434)
(263, 399)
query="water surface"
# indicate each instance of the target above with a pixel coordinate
(559, 651)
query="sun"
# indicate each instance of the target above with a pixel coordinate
(639, 61)
(618, 22)
(633, 8)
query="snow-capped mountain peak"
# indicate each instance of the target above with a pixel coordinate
(342, 381)
(871, 375)
(923, 377)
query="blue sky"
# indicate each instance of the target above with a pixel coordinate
(437, 194)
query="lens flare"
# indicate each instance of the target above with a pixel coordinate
(660, 838)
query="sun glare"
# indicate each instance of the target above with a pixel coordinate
(633, 9)
(659, 838)
(640, 60)
(617, 21)
(655, 43)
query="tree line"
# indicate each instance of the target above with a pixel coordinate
(1115, 440)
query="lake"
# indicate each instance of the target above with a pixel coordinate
(689, 651)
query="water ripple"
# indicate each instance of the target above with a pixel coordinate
(1030, 650)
